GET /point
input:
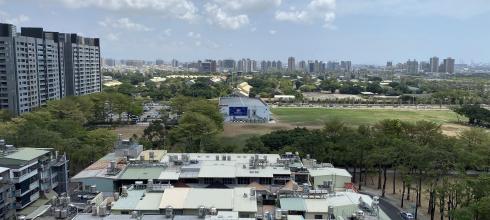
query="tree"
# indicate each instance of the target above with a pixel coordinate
(254, 145)
(156, 134)
(193, 131)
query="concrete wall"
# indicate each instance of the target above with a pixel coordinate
(103, 185)
(260, 112)
(338, 181)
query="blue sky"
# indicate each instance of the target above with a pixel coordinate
(364, 31)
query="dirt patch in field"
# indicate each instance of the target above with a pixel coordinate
(453, 130)
(235, 129)
(127, 131)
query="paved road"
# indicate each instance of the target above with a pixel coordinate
(392, 211)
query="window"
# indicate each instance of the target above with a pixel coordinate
(318, 216)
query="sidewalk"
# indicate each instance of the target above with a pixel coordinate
(395, 201)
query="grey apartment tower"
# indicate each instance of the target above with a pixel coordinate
(37, 66)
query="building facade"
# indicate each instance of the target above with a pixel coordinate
(434, 64)
(35, 173)
(291, 64)
(38, 66)
(7, 200)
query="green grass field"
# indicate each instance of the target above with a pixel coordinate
(354, 117)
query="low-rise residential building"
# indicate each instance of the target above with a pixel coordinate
(35, 172)
(7, 199)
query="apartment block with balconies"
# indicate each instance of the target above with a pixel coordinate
(35, 172)
(7, 197)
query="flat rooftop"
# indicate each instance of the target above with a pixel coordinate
(236, 199)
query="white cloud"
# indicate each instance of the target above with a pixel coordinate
(15, 20)
(220, 17)
(272, 32)
(323, 10)
(168, 32)
(124, 23)
(248, 5)
(292, 16)
(197, 43)
(181, 9)
(459, 9)
(194, 35)
(113, 36)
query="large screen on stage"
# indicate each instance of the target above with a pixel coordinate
(238, 111)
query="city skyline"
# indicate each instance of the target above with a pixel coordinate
(267, 30)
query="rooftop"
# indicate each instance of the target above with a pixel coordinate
(241, 101)
(236, 199)
(25, 154)
(138, 199)
(329, 171)
(141, 172)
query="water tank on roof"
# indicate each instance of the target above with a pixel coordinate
(169, 212)
(134, 214)
(152, 155)
(94, 210)
(63, 214)
(278, 214)
(201, 212)
(124, 191)
(213, 211)
(102, 210)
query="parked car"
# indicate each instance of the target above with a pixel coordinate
(407, 215)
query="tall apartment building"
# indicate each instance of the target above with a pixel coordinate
(38, 66)
(346, 65)
(291, 64)
(35, 172)
(82, 65)
(412, 67)
(449, 64)
(434, 64)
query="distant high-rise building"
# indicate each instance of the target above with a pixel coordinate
(434, 64)
(37, 66)
(346, 66)
(228, 65)
(332, 66)
(279, 65)
(424, 66)
(208, 66)
(389, 64)
(175, 63)
(159, 62)
(291, 64)
(412, 67)
(311, 66)
(449, 65)
(302, 65)
(108, 62)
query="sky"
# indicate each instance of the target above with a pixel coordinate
(364, 31)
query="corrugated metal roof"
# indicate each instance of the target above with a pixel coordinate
(151, 201)
(128, 202)
(240, 101)
(26, 154)
(316, 205)
(192, 198)
(142, 173)
(293, 204)
(328, 171)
